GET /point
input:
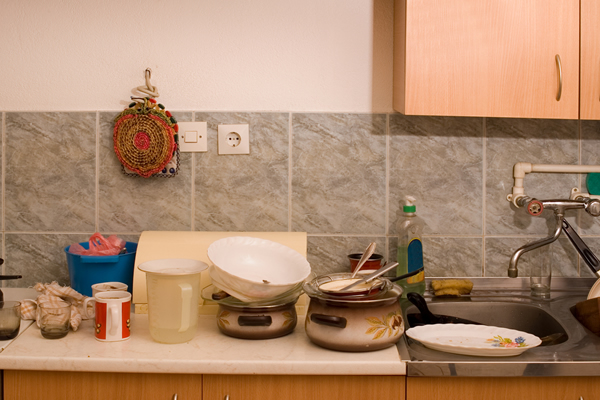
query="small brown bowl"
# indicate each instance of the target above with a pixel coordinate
(373, 263)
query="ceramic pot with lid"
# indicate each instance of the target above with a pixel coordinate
(354, 324)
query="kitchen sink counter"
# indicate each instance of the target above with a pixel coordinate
(210, 352)
(577, 355)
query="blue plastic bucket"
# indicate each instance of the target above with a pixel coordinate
(85, 271)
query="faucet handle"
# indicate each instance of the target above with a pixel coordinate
(593, 207)
(535, 207)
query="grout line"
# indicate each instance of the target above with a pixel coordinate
(290, 167)
(578, 217)
(579, 185)
(3, 136)
(387, 185)
(193, 183)
(97, 178)
(484, 191)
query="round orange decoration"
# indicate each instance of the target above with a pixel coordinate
(144, 137)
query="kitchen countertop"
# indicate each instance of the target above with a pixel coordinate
(210, 352)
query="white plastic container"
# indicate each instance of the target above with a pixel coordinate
(173, 293)
(410, 248)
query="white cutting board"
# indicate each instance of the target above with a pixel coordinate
(155, 245)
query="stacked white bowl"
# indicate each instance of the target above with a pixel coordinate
(253, 269)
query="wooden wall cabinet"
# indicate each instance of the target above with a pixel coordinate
(590, 60)
(492, 58)
(551, 388)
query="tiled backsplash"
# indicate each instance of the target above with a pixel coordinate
(338, 177)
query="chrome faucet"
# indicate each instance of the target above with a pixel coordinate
(536, 207)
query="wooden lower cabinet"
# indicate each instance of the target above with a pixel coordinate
(552, 388)
(46, 385)
(296, 387)
(49, 385)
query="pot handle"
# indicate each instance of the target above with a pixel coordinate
(329, 320)
(255, 320)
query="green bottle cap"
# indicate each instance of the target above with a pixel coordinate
(409, 207)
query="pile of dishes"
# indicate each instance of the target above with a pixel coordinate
(256, 283)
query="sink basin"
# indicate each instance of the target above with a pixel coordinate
(507, 303)
(512, 315)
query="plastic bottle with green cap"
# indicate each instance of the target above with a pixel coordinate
(410, 248)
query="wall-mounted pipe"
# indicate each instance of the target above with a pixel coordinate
(521, 169)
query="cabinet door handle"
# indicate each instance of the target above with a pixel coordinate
(560, 77)
(227, 397)
(175, 396)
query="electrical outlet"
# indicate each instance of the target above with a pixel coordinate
(234, 139)
(192, 137)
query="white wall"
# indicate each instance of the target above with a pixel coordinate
(254, 55)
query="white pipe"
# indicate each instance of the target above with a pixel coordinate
(521, 169)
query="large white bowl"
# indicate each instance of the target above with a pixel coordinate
(253, 269)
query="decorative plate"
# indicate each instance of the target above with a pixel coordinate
(474, 340)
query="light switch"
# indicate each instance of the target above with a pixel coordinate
(192, 137)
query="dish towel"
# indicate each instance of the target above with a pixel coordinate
(55, 295)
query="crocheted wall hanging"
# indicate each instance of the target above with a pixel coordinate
(145, 137)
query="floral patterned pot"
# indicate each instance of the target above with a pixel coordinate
(355, 325)
(261, 322)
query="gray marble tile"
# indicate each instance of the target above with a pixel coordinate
(339, 169)
(50, 171)
(135, 204)
(438, 160)
(590, 155)
(329, 254)
(526, 140)
(498, 252)
(448, 256)
(39, 257)
(244, 192)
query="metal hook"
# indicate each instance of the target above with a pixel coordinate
(148, 89)
(148, 75)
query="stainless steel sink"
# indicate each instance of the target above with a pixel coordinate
(507, 302)
(530, 318)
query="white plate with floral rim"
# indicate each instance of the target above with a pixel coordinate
(474, 340)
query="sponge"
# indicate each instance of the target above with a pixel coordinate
(451, 287)
(593, 183)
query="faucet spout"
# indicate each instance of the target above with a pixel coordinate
(513, 271)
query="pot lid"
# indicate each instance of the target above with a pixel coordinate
(173, 266)
(386, 290)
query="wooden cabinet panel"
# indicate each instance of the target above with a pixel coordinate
(590, 60)
(43, 385)
(245, 387)
(554, 388)
(486, 58)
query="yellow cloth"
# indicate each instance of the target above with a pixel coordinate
(451, 287)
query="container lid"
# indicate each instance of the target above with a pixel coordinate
(409, 206)
(173, 266)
